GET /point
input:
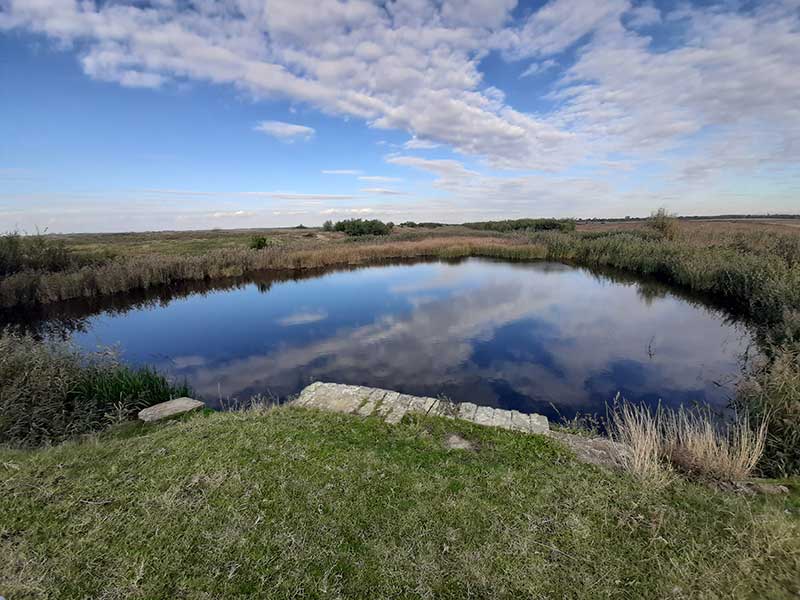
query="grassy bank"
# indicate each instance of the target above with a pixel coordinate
(50, 392)
(294, 503)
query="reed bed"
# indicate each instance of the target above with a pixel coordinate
(144, 272)
(50, 392)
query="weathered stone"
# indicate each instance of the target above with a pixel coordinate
(466, 411)
(502, 418)
(392, 406)
(520, 421)
(484, 415)
(373, 399)
(421, 405)
(399, 410)
(539, 424)
(169, 409)
(388, 404)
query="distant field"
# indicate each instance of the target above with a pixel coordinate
(704, 225)
(176, 243)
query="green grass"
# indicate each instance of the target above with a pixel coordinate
(291, 503)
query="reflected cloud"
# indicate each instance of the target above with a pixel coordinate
(303, 318)
(507, 335)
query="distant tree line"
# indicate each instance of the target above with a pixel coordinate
(524, 225)
(426, 224)
(356, 227)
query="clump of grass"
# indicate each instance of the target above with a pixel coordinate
(50, 392)
(697, 445)
(689, 440)
(639, 430)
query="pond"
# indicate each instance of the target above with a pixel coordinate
(536, 337)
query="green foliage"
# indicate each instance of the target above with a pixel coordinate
(290, 503)
(327, 226)
(33, 252)
(259, 242)
(426, 225)
(50, 392)
(358, 227)
(524, 225)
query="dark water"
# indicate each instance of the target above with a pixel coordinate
(521, 336)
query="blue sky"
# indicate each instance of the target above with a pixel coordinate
(121, 116)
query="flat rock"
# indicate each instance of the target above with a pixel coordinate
(170, 408)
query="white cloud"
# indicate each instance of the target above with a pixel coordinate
(416, 143)
(644, 15)
(272, 195)
(232, 214)
(382, 192)
(303, 318)
(285, 131)
(378, 178)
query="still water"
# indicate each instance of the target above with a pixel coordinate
(524, 336)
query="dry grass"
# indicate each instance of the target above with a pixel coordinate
(688, 440)
(694, 444)
(638, 429)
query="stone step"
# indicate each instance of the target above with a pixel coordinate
(392, 406)
(178, 406)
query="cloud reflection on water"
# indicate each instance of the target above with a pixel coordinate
(519, 336)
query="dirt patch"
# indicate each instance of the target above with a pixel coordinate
(598, 451)
(456, 442)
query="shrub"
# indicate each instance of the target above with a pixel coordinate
(49, 391)
(259, 242)
(664, 222)
(357, 227)
(327, 226)
(33, 252)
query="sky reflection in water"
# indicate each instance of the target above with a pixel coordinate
(517, 336)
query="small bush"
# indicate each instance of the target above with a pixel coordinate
(259, 242)
(327, 226)
(33, 252)
(664, 222)
(357, 227)
(50, 392)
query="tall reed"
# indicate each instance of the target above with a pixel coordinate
(49, 391)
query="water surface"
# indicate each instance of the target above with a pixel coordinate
(523, 336)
